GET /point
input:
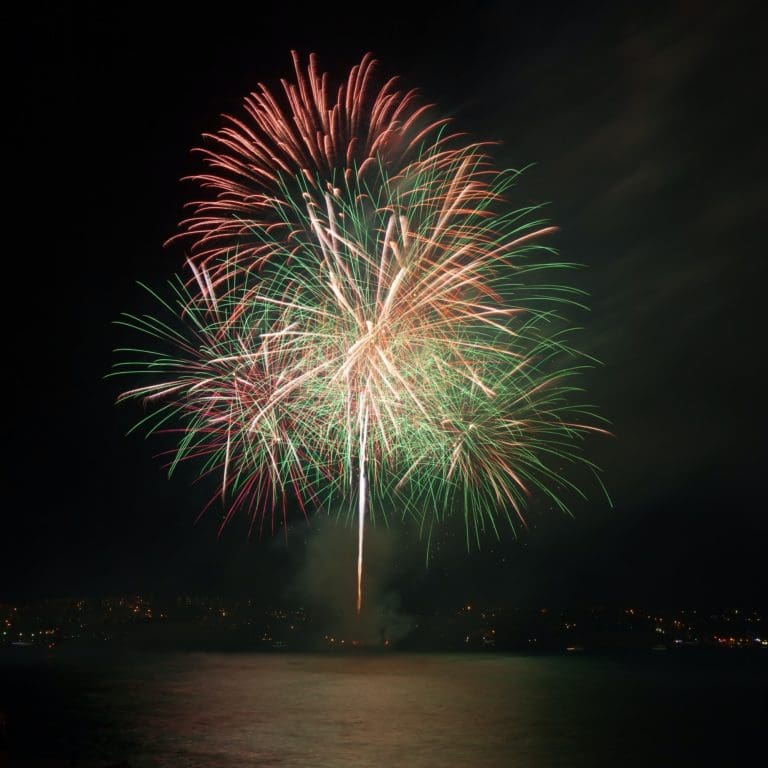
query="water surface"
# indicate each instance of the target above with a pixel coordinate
(325, 711)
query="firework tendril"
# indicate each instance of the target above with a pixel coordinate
(363, 317)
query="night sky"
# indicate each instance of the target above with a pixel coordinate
(646, 135)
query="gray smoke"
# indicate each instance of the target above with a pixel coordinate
(326, 583)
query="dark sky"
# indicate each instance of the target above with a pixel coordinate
(648, 137)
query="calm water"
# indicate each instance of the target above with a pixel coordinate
(216, 710)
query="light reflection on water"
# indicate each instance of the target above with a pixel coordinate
(216, 710)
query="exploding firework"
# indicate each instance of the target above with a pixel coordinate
(365, 318)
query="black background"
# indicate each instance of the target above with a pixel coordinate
(647, 134)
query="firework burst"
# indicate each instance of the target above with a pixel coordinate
(365, 318)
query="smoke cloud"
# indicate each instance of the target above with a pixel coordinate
(326, 584)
